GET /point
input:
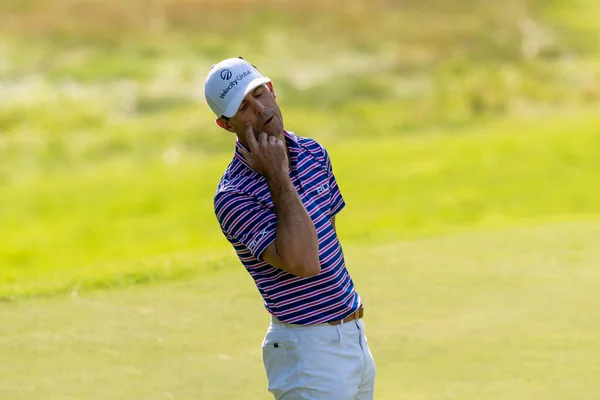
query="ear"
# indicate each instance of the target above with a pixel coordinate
(270, 86)
(225, 125)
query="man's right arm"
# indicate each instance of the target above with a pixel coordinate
(296, 245)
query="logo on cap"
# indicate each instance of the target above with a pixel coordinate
(226, 74)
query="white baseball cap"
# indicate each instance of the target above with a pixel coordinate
(228, 82)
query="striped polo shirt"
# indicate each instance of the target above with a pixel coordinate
(245, 211)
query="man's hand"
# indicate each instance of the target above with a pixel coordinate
(267, 155)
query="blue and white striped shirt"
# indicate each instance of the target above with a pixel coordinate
(245, 211)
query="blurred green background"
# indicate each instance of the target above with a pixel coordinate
(465, 136)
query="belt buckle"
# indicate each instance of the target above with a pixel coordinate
(357, 314)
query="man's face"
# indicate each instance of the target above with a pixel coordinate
(261, 110)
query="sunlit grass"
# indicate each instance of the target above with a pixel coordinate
(92, 224)
(109, 158)
(486, 315)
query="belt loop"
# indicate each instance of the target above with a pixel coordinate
(340, 333)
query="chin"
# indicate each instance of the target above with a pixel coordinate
(276, 131)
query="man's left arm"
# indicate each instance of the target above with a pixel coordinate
(333, 222)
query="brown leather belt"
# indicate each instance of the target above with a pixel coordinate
(354, 316)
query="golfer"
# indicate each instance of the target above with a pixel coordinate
(276, 204)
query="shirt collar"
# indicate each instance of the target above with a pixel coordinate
(238, 153)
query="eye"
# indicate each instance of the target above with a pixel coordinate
(242, 107)
(257, 94)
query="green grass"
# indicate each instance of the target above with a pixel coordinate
(465, 137)
(505, 314)
(109, 163)
(125, 221)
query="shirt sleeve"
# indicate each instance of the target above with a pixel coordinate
(337, 200)
(246, 220)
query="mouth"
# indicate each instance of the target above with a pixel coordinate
(268, 121)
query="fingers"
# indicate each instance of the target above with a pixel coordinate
(276, 142)
(250, 137)
(263, 139)
(255, 143)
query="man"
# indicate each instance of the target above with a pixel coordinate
(276, 203)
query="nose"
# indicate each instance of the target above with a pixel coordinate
(259, 109)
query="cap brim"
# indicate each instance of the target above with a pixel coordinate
(233, 106)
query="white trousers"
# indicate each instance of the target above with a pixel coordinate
(318, 362)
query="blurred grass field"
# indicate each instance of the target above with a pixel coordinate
(110, 159)
(492, 315)
(465, 137)
(113, 225)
